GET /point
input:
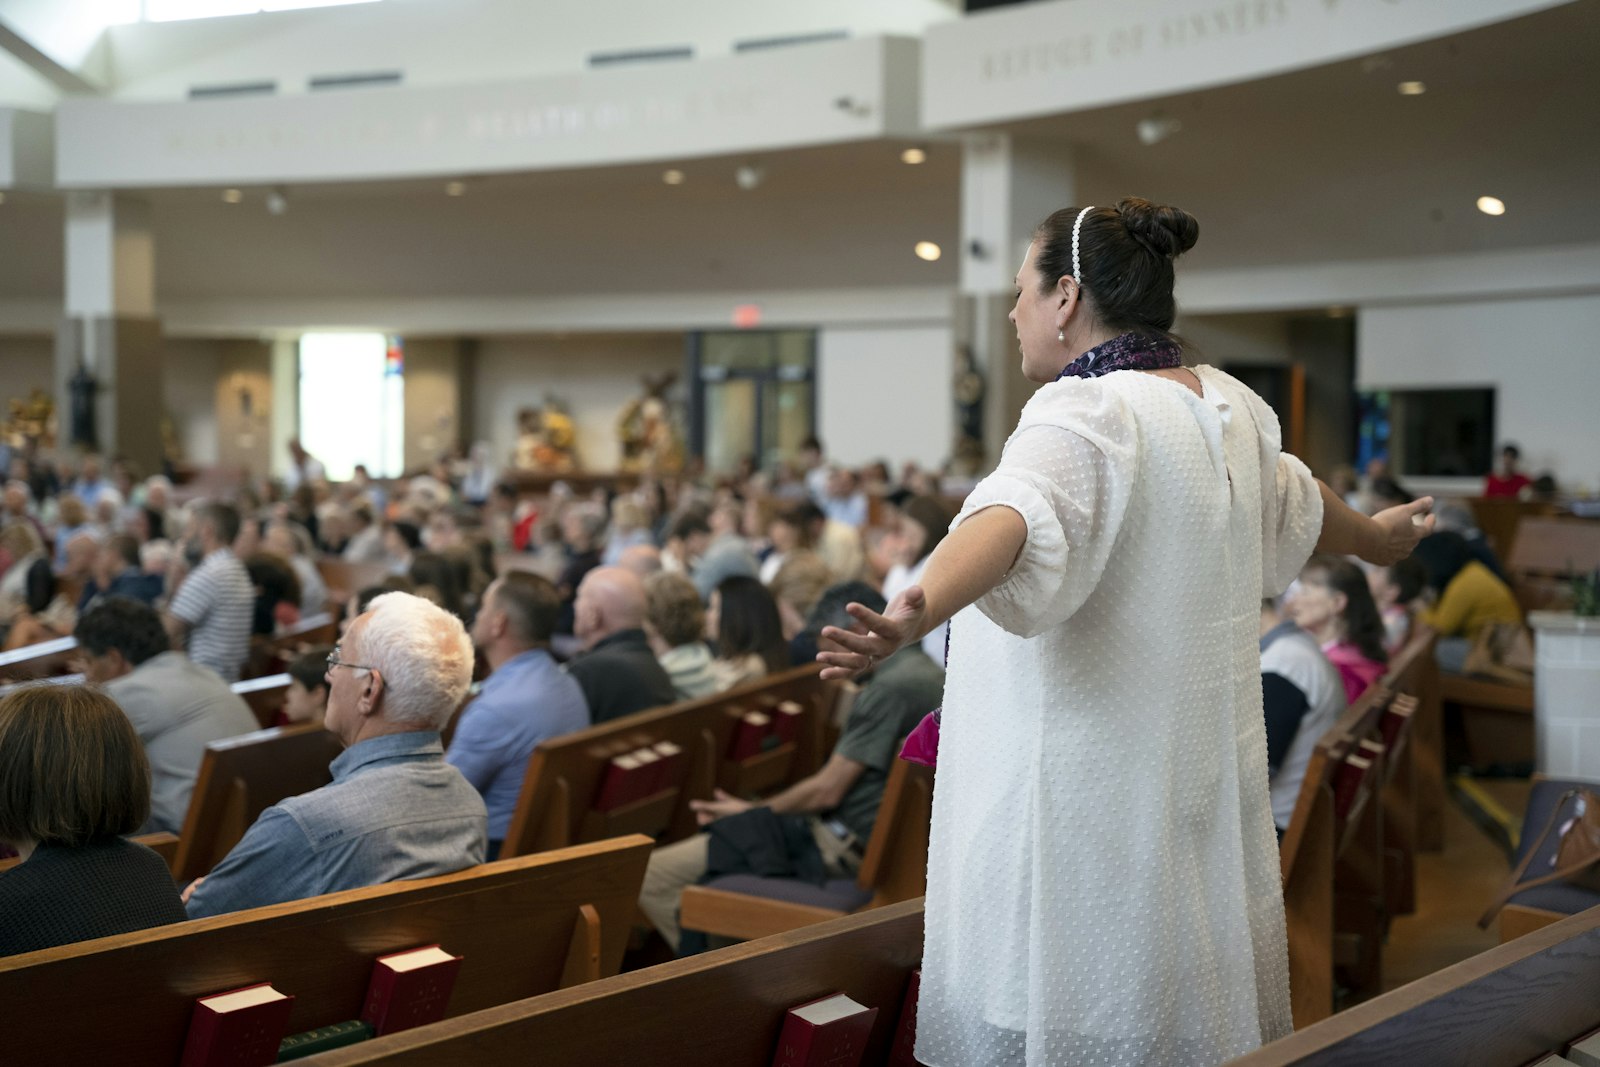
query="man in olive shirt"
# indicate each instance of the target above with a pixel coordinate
(841, 800)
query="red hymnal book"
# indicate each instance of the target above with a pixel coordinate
(624, 782)
(410, 988)
(671, 773)
(241, 1028)
(786, 720)
(831, 1032)
(747, 735)
(649, 770)
(903, 1052)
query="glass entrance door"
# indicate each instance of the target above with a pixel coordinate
(754, 396)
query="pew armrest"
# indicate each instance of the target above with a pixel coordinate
(743, 916)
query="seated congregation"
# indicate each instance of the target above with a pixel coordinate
(601, 714)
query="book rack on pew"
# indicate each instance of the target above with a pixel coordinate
(894, 869)
(557, 806)
(1503, 1008)
(725, 1007)
(524, 926)
(1348, 855)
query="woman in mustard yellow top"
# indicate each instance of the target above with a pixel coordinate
(1469, 596)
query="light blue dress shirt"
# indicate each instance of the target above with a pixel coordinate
(527, 700)
(394, 810)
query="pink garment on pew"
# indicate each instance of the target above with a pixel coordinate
(922, 743)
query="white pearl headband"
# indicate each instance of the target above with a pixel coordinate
(1076, 226)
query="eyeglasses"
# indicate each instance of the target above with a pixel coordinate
(335, 661)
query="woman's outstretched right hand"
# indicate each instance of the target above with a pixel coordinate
(874, 637)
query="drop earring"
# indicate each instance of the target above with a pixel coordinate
(1061, 335)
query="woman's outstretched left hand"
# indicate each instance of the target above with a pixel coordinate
(874, 638)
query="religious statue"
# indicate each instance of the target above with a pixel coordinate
(650, 441)
(968, 454)
(32, 423)
(547, 439)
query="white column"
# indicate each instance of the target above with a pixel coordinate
(1009, 185)
(109, 328)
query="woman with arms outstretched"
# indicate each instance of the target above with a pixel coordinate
(1103, 880)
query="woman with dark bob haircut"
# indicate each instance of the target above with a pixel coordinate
(73, 779)
(743, 620)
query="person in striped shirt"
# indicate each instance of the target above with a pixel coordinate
(211, 613)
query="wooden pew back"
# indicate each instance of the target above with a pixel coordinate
(725, 1007)
(240, 777)
(270, 655)
(1547, 554)
(345, 579)
(1334, 796)
(524, 926)
(895, 867)
(265, 695)
(163, 844)
(1509, 1006)
(565, 774)
(42, 660)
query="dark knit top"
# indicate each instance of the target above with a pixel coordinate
(63, 894)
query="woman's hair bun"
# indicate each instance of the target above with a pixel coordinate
(1165, 230)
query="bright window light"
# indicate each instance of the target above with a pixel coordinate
(352, 402)
(174, 10)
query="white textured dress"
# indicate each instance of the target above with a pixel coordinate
(1103, 882)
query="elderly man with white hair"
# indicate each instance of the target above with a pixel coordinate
(395, 809)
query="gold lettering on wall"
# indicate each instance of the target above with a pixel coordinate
(1150, 38)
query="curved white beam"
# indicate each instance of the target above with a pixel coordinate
(1075, 55)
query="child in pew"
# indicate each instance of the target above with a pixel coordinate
(65, 816)
(307, 697)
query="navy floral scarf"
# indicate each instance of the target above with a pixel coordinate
(1130, 351)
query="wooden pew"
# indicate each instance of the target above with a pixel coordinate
(239, 778)
(564, 774)
(894, 869)
(163, 844)
(1414, 792)
(1416, 672)
(1332, 861)
(1502, 1008)
(55, 679)
(525, 926)
(1547, 554)
(724, 1008)
(345, 579)
(1501, 517)
(41, 660)
(265, 695)
(270, 655)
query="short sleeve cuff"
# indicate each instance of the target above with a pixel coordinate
(1299, 522)
(1020, 603)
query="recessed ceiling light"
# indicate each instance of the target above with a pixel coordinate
(1491, 205)
(455, 188)
(672, 177)
(913, 156)
(1412, 88)
(928, 250)
(232, 196)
